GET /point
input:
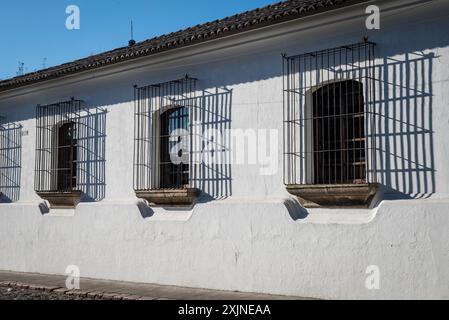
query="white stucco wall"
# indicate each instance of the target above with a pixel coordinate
(258, 238)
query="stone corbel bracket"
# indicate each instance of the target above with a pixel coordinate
(170, 197)
(350, 195)
(61, 200)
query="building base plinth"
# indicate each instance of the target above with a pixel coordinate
(61, 200)
(350, 195)
(170, 197)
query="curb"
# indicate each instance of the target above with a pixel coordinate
(92, 294)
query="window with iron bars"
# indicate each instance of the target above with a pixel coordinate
(70, 149)
(329, 118)
(339, 133)
(163, 135)
(10, 161)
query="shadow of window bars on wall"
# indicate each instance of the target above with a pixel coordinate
(10, 161)
(70, 153)
(329, 126)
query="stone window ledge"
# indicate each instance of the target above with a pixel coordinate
(170, 197)
(61, 200)
(340, 195)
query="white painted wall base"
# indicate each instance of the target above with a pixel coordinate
(241, 244)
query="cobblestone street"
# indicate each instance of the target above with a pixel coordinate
(28, 294)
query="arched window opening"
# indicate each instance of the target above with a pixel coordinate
(67, 157)
(173, 160)
(339, 133)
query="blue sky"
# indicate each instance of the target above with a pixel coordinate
(34, 30)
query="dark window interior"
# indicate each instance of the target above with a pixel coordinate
(67, 157)
(339, 133)
(173, 175)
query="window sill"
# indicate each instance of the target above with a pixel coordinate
(340, 195)
(61, 200)
(170, 197)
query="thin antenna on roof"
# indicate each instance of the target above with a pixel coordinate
(132, 41)
(132, 30)
(20, 69)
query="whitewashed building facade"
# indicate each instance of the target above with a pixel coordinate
(340, 191)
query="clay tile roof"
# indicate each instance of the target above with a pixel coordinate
(269, 15)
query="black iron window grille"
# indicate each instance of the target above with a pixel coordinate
(10, 161)
(163, 125)
(329, 118)
(70, 149)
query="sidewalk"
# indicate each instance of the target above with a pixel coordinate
(117, 290)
